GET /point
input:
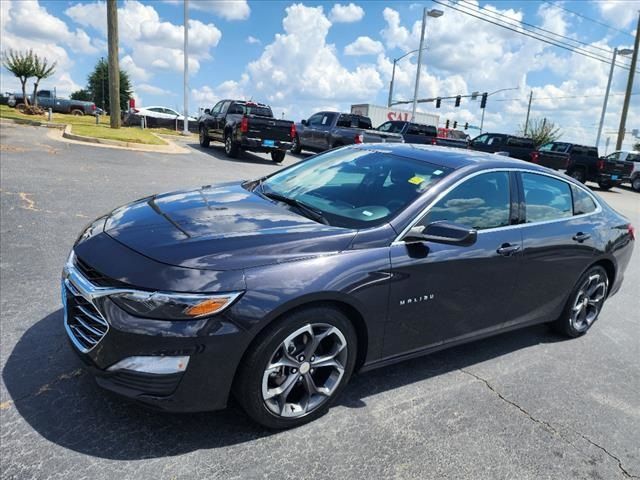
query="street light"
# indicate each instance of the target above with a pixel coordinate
(435, 13)
(623, 51)
(493, 93)
(393, 75)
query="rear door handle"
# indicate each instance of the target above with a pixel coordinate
(507, 249)
(581, 237)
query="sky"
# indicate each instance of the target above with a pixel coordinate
(302, 57)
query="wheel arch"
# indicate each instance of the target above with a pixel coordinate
(609, 267)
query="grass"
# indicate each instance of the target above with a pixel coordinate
(86, 125)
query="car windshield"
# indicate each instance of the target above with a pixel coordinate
(354, 187)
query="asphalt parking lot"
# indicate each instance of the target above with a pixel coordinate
(526, 404)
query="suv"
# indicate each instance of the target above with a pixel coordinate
(632, 157)
(516, 147)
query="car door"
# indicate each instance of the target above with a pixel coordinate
(322, 131)
(220, 120)
(442, 293)
(307, 134)
(558, 244)
(210, 120)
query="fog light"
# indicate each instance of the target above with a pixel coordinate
(161, 365)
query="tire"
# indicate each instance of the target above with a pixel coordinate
(635, 183)
(278, 155)
(296, 147)
(337, 145)
(77, 113)
(605, 185)
(205, 141)
(21, 107)
(584, 304)
(258, 377)
(231, 148)
(579, 175)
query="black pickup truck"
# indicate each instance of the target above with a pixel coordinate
(515, 147)
(582, 163)
(243, 125)
(325, 130)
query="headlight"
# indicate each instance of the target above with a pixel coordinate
(173, 306)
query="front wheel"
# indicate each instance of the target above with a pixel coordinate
(203, 138)
(579, 175)
(277, 156)
(605, 185)
(635, 184)
(231, 148)
(295, 145)
(584, 304)
(298, 368)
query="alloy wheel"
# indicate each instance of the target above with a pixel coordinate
(227, 145)
(201, 135)
(305, 370)
(588, 302)
(294, 143)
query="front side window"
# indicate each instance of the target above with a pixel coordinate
(546, 147)
(481, 140)
(316, 119)
(481, 202)
(546, 198)
(582, 201)
(353, 187)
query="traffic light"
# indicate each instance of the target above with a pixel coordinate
(455, 124)
(458, 98)
(447, 124)
(483, 101)
(466, 125)
(438, 100)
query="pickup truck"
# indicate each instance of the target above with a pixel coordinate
(326, 130)
(515, 147)
(583, 163)
(420, 134)
(47, 99)
(245, 125)
(632, 157)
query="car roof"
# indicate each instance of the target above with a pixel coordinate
(448, 156)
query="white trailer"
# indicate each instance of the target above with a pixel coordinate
(379, 115)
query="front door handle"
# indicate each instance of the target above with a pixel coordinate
(581, 237)
(507, 249)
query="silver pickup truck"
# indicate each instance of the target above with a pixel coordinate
(326, 130)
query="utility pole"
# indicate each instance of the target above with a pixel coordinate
(393, 76)
(114, 70)
(415, 91)
(185, 122)
(627, 97)
(526, 122)
(606, 96)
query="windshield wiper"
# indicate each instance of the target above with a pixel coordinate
(310, 212)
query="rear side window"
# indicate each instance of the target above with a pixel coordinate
(546, 198)
(520, 142)
(582, 201)
(481, 202)
(413, 129)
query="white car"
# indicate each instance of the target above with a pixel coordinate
(629, 156)
(160, 112)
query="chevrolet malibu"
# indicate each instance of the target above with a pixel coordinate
(277, 290)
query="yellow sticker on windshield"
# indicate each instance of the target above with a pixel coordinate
(416, 180)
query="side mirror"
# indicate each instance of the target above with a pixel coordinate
(304, 122)
(442, 232)
(207, 111)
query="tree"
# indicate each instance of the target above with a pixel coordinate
(83, 94)
(98, 86)
(21, 64)
(41, 70)
(541, 131)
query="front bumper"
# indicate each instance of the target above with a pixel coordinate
(214, 346)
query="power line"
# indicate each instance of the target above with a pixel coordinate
(486, 11)
(534, 35)
(588, 18)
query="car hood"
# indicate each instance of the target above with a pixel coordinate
(223, 227)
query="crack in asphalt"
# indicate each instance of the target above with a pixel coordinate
(547, 426)
(44, 388)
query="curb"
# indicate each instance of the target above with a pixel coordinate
(104, 141)
(35, 123)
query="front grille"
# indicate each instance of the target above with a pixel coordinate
(94, 276)
(85, 324)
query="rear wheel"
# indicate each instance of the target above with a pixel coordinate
(295, 145)
(635, 184)
(584, 304)
(203, 138)
(21, 107)
(298, 368)
(231, 148)
(579, 175)
(605, 185)
(77, 113)
(277, 155)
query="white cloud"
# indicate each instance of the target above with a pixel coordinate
(364, 46)
(251, 40)
(620, 13)
(227, 9)
(346, 13)
(135, 72)
(153, 90)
